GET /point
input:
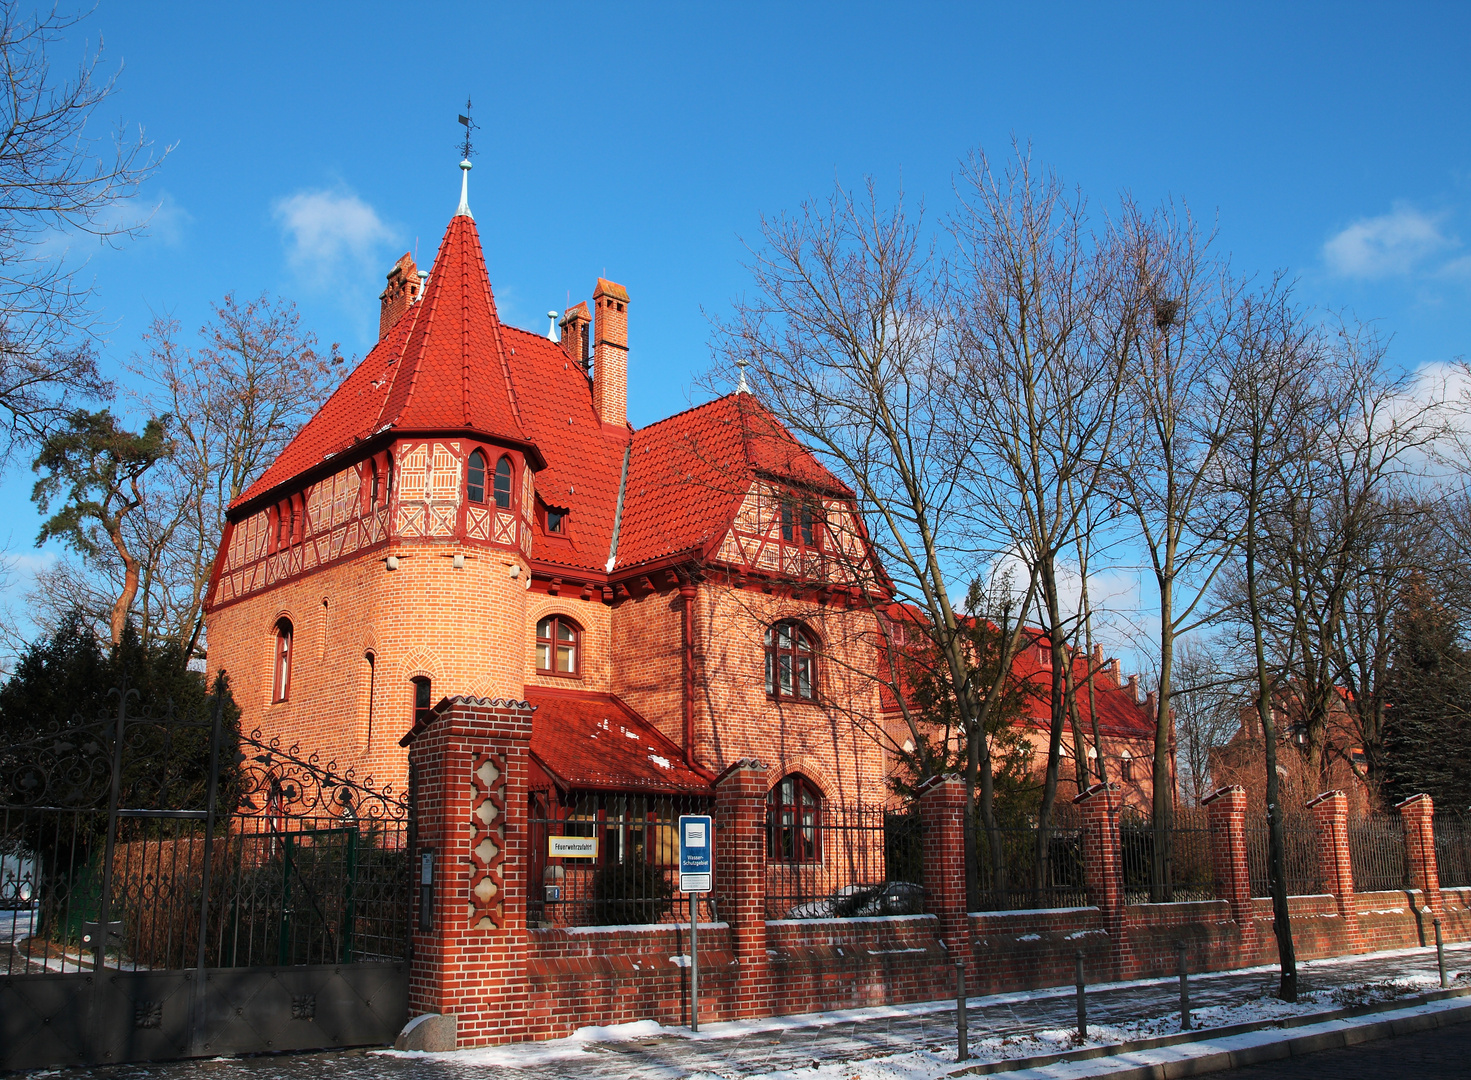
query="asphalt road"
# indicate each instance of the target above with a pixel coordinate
(1442, 1054)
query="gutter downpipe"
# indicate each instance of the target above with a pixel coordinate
(687, 598)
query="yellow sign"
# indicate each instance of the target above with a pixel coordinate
(572, 847)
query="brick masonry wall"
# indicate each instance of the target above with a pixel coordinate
(507, 983)
(342, 612)
(835, 741)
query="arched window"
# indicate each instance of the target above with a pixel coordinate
(373, 482)
(423, 700)
(1126, 766)
(475, 478)
(558, 644)
(281, 686)
(372, 681)
(503, 483)
(791, 662)
(794, 821)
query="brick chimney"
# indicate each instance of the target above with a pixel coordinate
(610, 354)
(1116, 670)
(402, 290)
(1134, 688)
(574, 326)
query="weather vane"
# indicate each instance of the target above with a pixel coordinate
(470, 126)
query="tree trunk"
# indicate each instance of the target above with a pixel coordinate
(1276, 838)
(1047, 573)
(1163, 803)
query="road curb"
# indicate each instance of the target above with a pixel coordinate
(1251, 1055)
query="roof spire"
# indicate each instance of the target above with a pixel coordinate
(465, 166)
(464, 208)
(742, 387)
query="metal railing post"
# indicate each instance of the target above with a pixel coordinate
(1440, 955)
(1082, 998)
(1184, 988)
(962, 1030)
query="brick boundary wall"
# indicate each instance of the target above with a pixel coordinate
(506, 983)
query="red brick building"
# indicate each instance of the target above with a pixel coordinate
(471, 513)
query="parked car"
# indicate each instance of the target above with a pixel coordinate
(884, 898)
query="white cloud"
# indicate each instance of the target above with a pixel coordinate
(331, 235)
(1391, 243)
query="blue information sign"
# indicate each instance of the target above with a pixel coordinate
(696, 853)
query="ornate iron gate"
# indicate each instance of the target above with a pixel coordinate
(170, 889)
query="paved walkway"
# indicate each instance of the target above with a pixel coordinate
(754, 1052)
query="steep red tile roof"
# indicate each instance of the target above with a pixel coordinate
(449, 364)
(582, 463)
(586, 740)
(1119, 713)
(688, 474)
(442, 367)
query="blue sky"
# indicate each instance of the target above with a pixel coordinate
(314, 143)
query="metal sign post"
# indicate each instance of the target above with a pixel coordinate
(696, 876)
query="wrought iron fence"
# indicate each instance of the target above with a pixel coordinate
(1188, 873)
(1376, 852)
(1304, 877)
(844, 861)
(1028, 875)
(1453, 850)
(292, 862)
(626, 870)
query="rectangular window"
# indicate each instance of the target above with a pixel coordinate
(555, 519)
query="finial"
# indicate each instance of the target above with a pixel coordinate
(552, 329)
(742, 387)
(423, 282)
(464, 207)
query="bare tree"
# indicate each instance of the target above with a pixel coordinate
(1269, 400)
(1332, 568)
(1047, 313)
(58, 178)
(1207, 706)
(848, 343)
(237, 400)
(1163, 466)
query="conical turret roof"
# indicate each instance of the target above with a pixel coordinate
(442, 367)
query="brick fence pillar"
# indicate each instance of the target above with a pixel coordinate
(468, 768)
(1227, 809)
(942, 822)
(1103, 870)
(1330, 816)
(1418, 814)
(740, 879)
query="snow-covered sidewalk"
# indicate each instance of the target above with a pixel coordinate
(917, 1042)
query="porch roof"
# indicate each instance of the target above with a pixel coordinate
(597, 742)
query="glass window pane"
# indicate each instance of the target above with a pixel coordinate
(566, 658)
(564, 631)
(770, 689)
(542, 654)
(785, 673)
(804, 677)
(544, 628)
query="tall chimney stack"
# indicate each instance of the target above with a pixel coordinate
(575, 324)
(610, 354)
(402, 290)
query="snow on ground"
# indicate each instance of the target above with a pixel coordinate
(937, 1058)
